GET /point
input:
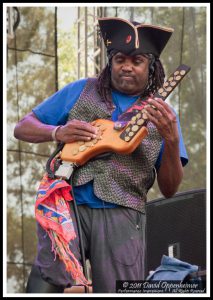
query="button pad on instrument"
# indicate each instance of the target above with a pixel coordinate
(170, 84)
(82, 146)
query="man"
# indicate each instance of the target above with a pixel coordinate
(111, 192)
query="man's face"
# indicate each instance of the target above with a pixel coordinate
(129, 73)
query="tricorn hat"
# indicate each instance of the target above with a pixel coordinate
(133, 38)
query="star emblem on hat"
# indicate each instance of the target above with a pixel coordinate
(108, 42)
(128, 39)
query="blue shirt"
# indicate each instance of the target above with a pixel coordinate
(55, 111)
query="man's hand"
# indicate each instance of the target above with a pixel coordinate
(164, 118)
(76, 130)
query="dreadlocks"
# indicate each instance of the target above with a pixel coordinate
(155, 80)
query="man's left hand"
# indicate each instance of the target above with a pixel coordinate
(164, 118)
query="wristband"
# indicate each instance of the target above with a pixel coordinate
(54, 133)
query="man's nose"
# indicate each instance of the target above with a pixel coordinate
(127, 66)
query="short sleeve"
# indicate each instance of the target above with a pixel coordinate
(55, 109)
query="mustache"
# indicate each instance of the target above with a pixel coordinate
(126, 74)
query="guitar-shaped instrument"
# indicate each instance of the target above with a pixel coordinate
(123, 136)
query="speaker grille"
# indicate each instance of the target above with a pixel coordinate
(177, 227)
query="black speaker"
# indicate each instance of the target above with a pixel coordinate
(177, 227)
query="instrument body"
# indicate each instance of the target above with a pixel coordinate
(108, 141)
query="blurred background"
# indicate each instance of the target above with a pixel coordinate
(48, 47)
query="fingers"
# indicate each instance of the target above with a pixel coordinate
(76, 130)
(82, 133)
(163, 117)
(82, 126)
(159, 110)
(73, 138)
(154, 112)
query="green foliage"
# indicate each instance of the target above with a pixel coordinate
(67, 57)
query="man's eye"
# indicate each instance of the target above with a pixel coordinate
(138, 61)
(119, 60)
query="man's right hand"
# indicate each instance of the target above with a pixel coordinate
(76, 130)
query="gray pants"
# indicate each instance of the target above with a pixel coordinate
(114, 242)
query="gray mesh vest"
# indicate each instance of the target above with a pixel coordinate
(120, 179)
